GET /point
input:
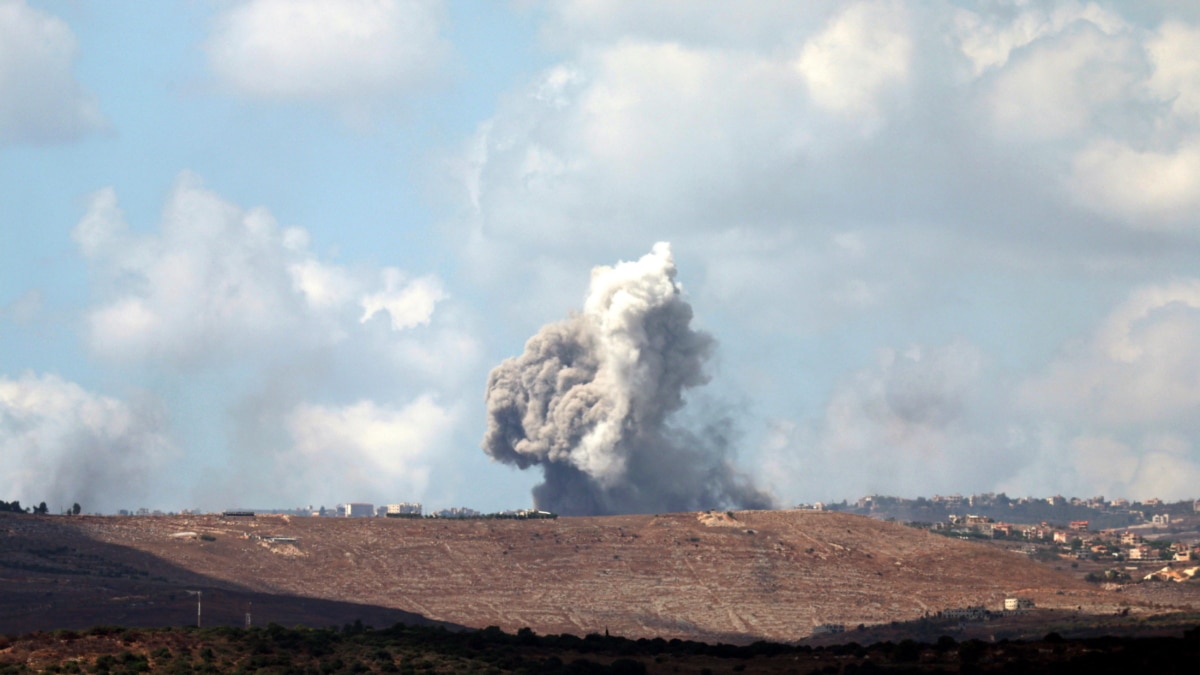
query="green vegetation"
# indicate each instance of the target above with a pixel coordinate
(421, 649)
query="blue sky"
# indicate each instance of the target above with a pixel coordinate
(265, 253)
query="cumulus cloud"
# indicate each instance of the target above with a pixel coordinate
(976, 121)
(289, 351)
(1115, 411)
(1111, 414)
(862, 53)
(346, 53)
(219, 283)
(408, 303)
(364, 449)
(1139, 368)
(63, 444)
(40, 99)
(1062, 87)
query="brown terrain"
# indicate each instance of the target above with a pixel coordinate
(754, 575)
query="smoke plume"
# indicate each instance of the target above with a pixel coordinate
(592, 401)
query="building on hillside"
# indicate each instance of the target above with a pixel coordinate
(1061, 537)
(1161, 519)
(358, 510)
(948, 501)
(1035, 532)
(404, 510)
(1079, 525)
(1017, 604)
(828, 629)
(1143, 552)
(1130, 538)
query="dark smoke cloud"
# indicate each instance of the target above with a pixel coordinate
(592, 401)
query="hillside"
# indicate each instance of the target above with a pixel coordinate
(761, 574)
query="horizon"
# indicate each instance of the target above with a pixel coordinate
(856, 503)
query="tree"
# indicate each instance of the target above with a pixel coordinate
(75, 509)
(41, 509)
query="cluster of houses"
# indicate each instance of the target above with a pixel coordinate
(1103, 513)
(1116, 544)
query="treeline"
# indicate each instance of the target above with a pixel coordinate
(41, 509)
(424, 649)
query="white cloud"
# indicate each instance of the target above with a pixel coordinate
(219, 284)
(40, 99)
(1063, 84)
(63, 444)
(716, 23)
(630, 139)
(1144, 187)
(409, 303)
(364, 450)
(212, 284)
(1176, 62)
(1140, 369)
(346, 52)
(988, 37)
(220, 303)
(1124, 400)
(861, 54)
(1152, 179)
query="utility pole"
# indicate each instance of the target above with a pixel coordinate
(199, 595)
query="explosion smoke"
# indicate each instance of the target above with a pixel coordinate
(592, 398)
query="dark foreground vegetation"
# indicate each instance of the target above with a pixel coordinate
(423, 649)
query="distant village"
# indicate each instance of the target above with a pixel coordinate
(1097, 530)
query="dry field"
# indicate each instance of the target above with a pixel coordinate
(758, 575)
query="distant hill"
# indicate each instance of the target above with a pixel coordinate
(714, 577)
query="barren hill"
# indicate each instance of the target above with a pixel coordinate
(756, 575)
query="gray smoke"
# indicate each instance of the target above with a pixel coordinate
(592, 400)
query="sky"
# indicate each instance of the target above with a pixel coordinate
(265, 253)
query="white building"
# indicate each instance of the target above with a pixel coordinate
(1017, 604)
(358, 510)
(404, 509)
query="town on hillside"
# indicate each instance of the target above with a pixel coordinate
(1105, 541)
